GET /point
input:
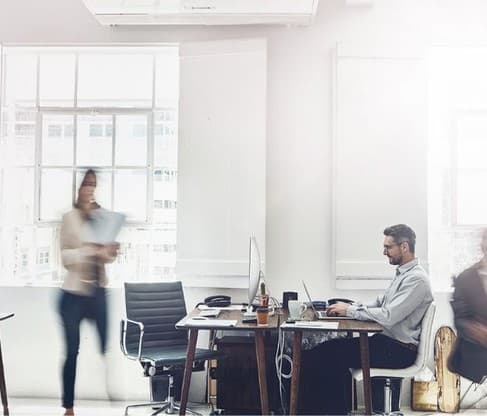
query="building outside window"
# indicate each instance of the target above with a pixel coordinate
(64, 109)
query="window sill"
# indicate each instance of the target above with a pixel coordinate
(196, 281)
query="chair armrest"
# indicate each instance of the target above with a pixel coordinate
(123, 338)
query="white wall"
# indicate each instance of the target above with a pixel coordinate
(298, 227)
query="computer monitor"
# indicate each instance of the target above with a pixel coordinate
(254, 276)
(254, 269)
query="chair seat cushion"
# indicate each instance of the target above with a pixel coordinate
(160, 357)
(387, 372)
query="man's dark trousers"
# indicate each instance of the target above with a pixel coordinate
(325, 386)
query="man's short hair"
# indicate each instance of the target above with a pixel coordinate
(402, 233)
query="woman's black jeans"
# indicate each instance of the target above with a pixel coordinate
(73, 309)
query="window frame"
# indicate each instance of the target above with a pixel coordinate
(456, 170)
(40, 111)
(113, 168)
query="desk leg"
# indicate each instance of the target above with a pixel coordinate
(3, 386)
(293, 405)
(261, 370)
(365, 360)
(188, 365)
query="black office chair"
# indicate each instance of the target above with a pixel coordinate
(149, 336)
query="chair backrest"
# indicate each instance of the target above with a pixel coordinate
(425, 337)
(158, 306)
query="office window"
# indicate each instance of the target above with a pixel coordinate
(470, 170)
(457, 171)
(64, 109)
(54, 131)
(380, 102)
(96, 130)
(43, 256)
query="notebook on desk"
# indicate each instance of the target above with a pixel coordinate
(311, 325)
(321, 314)
(208, 322)
(210, 313)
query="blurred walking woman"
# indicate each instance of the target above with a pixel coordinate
(83, 290)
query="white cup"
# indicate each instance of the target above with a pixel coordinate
(296, 309)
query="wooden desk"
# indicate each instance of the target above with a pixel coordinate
(3, 386)
(274, 322)
(363, 328)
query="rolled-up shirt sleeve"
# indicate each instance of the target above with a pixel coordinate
(373, 304)
(72, 256)
(406, 299)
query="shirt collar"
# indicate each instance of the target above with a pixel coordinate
(406, 266)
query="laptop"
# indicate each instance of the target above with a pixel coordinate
(321, 314)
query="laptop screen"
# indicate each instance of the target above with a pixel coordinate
(309, 297)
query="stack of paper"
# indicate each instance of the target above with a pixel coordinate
(210, 313)
(211, 322)
(311, 325)
(233, 307)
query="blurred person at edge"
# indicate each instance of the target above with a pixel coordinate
(83, 290)
(469, 304)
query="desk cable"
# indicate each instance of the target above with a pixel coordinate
(279, 358)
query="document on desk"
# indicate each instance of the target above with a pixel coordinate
(210, 313)
(217, 323)
(311, 325)
(233, 307)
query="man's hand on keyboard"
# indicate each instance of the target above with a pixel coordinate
(337, 309)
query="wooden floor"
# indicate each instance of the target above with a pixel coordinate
(51, 407)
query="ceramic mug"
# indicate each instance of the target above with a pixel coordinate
(296, 309)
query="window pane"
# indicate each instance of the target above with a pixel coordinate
(57, 140)
(131, 193)
(131, 141)
(165, 196)
(94, 141)
(46, 253)
(115, 79)
(472, 141)
(56, 85)
(20, 78)
(103, 192)
(17, 196)
(471, 199)
(18, 129)
(165, 138)
(167, 78)
(56, 193)
(18, 246)
(145, 255)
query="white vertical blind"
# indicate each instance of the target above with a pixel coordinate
(222, 142)
(380, 159)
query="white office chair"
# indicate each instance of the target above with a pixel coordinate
(418, 366)
(481, 385)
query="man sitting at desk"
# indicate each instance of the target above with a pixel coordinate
(326, 377)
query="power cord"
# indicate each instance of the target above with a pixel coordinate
(279, 358)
